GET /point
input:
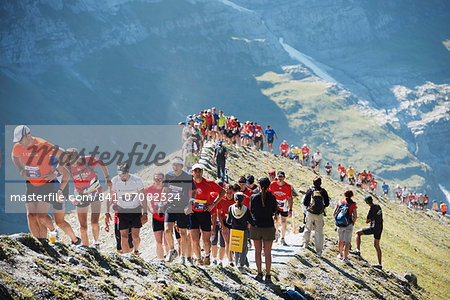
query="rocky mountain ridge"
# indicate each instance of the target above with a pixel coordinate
(414, 256)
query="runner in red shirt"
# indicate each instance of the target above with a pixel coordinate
(305, 152)
(209, 124)
(233, 131)
(88, 188)
(283, 192)
(373, 185)
(284, 149)
(259, 133)
(245, 190)
(341, 172)
(201, 215)
(157, 206)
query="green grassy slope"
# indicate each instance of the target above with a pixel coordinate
(411, 241)
(324, 119)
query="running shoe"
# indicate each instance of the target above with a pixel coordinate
(356, 252)
(77, 243)
(172, 255)
(259, 277)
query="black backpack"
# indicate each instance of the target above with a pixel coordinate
(317, 205)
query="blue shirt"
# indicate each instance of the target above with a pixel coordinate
(270, 133)
(385, 187)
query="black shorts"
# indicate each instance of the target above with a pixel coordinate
(157, 225)
(218, 238)
(181, 219)
(258, 139)
(177, 234)
(129, 220)
(282, 213)
(209, 127)
(202, 220)
(45, 190)
(375, 231)
(221, 128)
(270, 141)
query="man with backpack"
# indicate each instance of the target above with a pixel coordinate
(219, 158)
(315, 201)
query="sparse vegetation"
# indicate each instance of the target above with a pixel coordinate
(411, 241)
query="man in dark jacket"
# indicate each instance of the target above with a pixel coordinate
(315, 201)
(219, 158)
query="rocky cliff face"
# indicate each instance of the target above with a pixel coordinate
(61, 58)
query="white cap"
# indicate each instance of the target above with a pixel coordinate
(20, 132)
(197, 166)
(177, 160)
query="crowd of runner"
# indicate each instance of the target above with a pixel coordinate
(203, 215)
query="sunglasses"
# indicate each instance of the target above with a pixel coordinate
(158, 179)
(272, 176)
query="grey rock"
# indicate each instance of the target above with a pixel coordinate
(411, 278)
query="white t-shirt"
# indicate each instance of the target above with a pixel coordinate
(127, 191)
(317, 157)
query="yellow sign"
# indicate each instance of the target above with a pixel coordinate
(236, 240)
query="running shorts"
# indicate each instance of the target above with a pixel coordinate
(265, 234)
(129, 220)
(375, 231)
(181, 219)
(202, 220)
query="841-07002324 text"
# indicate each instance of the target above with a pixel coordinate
(157, 197)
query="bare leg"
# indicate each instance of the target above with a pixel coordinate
(268, 255)
(32, 218)
(346, 249)
(168, 230)
(226, 237)
(186, 246)
(341, 246)
(376, 244)
(195, 239)
(283, 226)
(124, 240)
(159, 243)
(206, 238)
(136, 238)
(95, 215)
(358, 239)
(258, 249)
(59, 220)
(82, 219)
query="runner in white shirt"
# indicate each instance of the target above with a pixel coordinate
(131, 206)
(405, 193)
(318, 159)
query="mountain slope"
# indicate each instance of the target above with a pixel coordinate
(411, 241)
